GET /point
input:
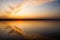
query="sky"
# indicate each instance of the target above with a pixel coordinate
(25, 9)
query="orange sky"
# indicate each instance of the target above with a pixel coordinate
(26, 9)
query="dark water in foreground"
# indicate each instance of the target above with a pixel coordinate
(46, 28)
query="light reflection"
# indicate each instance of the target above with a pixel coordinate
(32, 26)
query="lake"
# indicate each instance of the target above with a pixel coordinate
(46, 28)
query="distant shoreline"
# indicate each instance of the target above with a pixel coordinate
(29, 19)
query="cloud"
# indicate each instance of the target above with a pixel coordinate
(36, 2)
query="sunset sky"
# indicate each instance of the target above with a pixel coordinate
(30, 9)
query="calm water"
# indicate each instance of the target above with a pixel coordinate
(49, 28)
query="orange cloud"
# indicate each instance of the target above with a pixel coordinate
(36, 2)
(24, 4)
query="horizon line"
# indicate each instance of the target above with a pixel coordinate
(26, 19)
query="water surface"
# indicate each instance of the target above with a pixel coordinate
(47, 28)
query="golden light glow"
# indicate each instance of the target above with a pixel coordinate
(30, 25)
(21, 13)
